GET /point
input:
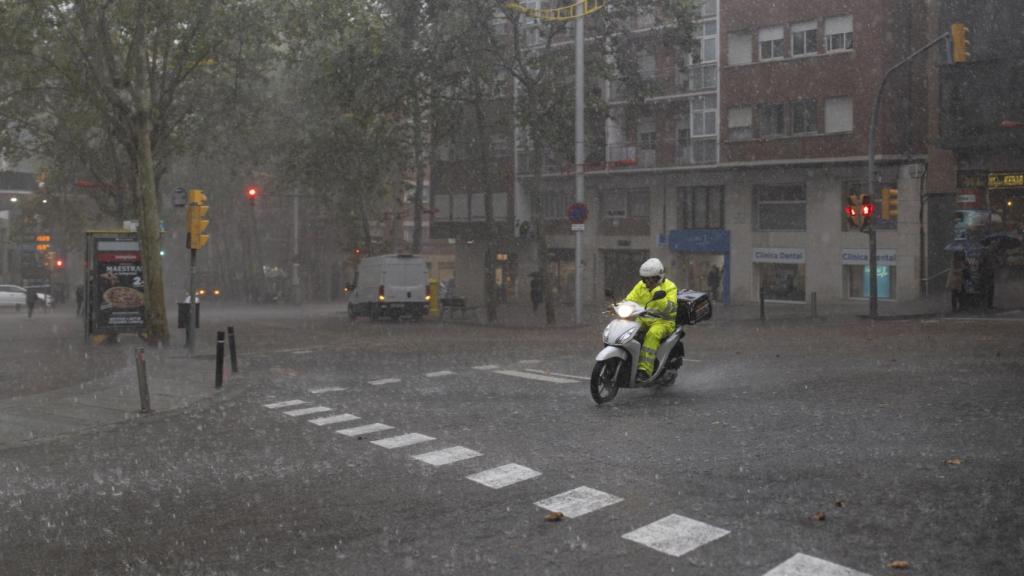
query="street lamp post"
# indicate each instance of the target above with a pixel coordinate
(580, 156)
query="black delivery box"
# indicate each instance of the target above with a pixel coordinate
(694, 307)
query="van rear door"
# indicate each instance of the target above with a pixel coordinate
(405, 280)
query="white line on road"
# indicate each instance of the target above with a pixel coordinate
(437, 374)
(531, 376)
(284, 404)
(302, 352)
(324, 390)
(690, 360)
(384, 381)
(529, 361)
(402, 441)
(503, 476)
(487, 367)
(367, 429)
(334, 419)
(447, 456)
(804, 565)
(578, 501)
(675, 535)
(307, 411)
(538, 371)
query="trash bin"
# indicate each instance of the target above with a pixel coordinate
(183, 312)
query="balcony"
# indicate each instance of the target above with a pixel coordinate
(702, 78)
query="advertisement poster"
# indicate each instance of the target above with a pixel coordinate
(118, 299)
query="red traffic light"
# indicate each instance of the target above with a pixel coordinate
(60, 263)
(867, 209)
(251, 192)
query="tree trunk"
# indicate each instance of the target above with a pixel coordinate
(417, 197)
(490, 240)
(149, 228)
(537, 210)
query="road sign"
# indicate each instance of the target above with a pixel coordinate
(578, 227)
(577, 213)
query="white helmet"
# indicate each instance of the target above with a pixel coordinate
(652, 268)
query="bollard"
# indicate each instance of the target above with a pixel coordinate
(761, 297)
(140, 369)
(231, 348)
(814, 305)
(219, 377)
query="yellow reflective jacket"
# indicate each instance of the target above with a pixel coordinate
(664, 309)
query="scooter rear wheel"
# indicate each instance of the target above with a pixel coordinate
(604, 383)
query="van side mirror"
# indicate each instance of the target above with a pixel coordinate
(658, 295)
(608, 293)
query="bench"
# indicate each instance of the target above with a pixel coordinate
(452, 305)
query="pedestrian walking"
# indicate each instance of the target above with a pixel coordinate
(714, 278)
(30, 300)
(536, 290)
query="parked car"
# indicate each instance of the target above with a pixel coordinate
(11, 295)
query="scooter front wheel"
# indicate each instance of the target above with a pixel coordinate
(604, 380)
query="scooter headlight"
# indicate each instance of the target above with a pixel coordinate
(627, 335)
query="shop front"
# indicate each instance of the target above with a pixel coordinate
(857, 273)
(781, 273)
(704, 255)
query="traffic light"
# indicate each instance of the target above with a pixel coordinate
(867, 211)
(196, 217)
(852, 211)
(251, 193)
(59, 264)
(961, 44)
(890, 203)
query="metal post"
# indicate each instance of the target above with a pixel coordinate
(761, 298)
(218, 379)
(296, 299)
(140, 370)
(814, 304)
(192, 325)
(231, 349)
(580, 157)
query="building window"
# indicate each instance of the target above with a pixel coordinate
(805, 38)
(701, 207)
(838, 115)
(708, 8)
(705, 150)
(553, 205)
(632, 203)
(771, 120)
(704, 114)
(785, 282)
(805, 116)
(740, 48)
(769, 41)
(648, 65)
(741, 123)
(709, 42)
(839, 33)
(702, 77)
(780, 208)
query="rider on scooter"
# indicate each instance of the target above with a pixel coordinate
(661, 320)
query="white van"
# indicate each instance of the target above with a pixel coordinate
(390, 285)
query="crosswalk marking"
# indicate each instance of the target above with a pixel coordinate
(532, 376)
(325, 390)
(804, 565)
(578, 501)
(503, 476)
(326, 420)
(573, 376)
(367, 429)
(284, 404)
(383, 381)
(402, 441)
(487, 367)
(447, 456)
(440, 373)
(307, 411)
(529, 361)
(675, 535)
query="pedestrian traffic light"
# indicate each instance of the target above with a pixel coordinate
(197, 222)
(890, 203)
(852, 211)
(961, 44)
(867, 211)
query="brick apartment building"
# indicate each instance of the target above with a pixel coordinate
(743, 160)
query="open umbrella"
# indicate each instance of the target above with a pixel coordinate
(1002, 241)
(960, 245)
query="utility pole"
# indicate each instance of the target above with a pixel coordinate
(580, 158)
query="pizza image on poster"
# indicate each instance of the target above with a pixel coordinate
(120, 290)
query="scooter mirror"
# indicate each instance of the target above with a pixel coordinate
(658, 295)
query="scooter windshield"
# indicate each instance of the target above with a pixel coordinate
(627, 309)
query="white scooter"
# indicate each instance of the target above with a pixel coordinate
(616, 365)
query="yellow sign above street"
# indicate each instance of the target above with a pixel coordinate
(1006, 180)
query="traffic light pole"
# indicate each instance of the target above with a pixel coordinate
(192, 325)
(872, 243)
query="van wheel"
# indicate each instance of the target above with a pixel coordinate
(351, 312)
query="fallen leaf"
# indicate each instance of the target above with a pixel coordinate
(839, 504)
(554, 516)
(953, 462)
(899, 565)
(818, 517)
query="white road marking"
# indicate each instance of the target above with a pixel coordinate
(441, 373)
(383, 381)
(535, 370)
(675, 535)
(503, 476)
(690, 360)
(578, 501)
(367, 429)
(529, 361)
(334, 419)
(302, 352)
(447, 456)
(307, 411)
(532, 376)
(324, 390)
(804, 565)
(402, 441)
(284, 404)
(487, 367)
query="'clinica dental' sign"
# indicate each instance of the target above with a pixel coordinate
(779, 255)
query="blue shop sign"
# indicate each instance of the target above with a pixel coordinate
(710, 241)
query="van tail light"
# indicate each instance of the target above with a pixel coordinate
(428, 294)
(380, 293)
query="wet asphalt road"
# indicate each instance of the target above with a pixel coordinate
(767, 427)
